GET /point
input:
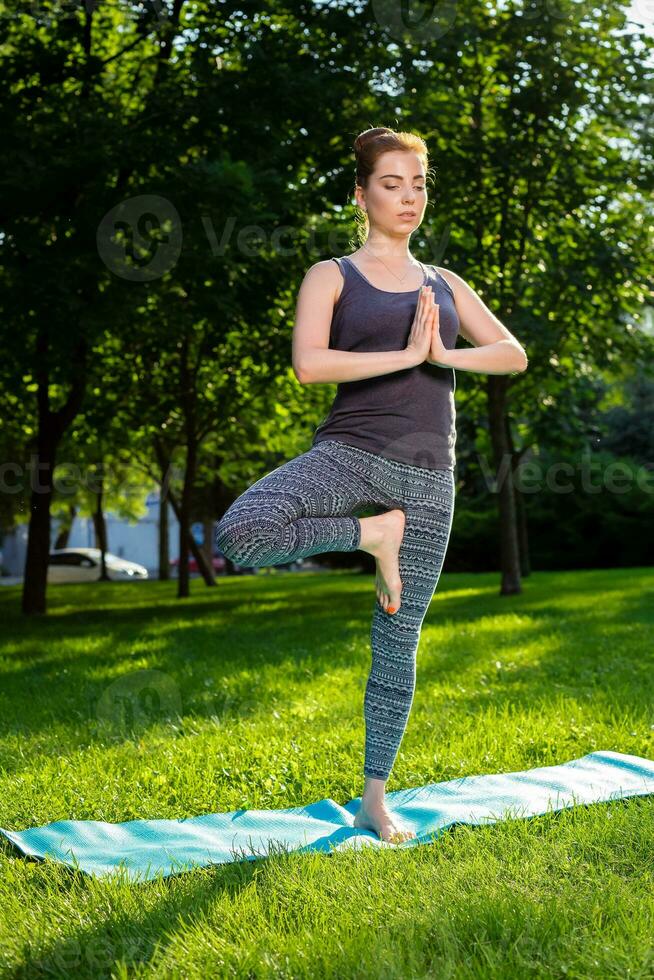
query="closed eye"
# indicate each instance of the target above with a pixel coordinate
(394, 187)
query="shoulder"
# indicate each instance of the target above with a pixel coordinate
(325, 269)
(324, 278)
(451, 278)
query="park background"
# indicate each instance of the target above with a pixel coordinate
(169, 172)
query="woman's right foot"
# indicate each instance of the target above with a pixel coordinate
(374, 815)
(382, 539)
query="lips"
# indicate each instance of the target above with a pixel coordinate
(407, 214)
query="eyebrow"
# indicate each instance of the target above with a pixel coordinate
(399, 176)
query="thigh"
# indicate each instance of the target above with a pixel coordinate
(313, 484)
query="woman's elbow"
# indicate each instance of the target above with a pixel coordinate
(303, 367)
(301, 373)
(521, 361)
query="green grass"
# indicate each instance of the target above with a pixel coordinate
(259, 703)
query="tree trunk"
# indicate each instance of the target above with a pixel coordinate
(185, 535)
(205, 570)
(100, 526)
(523, 534)
(521, 510)
(509, 548)
(38, 535)
(188, 390)
(164, 541)
(51, 427)
(63, 534)
(207, 544)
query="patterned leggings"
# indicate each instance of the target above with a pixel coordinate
(306, 507)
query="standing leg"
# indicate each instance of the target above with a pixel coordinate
(429, 510)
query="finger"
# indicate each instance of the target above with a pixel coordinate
(428, 311)
(427, 303)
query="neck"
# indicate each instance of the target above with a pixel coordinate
(391, 248)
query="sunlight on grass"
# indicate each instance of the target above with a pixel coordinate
(126, 703)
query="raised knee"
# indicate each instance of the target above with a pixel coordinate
(228, 540)
(248, 542)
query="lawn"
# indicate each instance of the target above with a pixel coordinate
(126, 703)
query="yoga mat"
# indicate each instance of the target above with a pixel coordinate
(144, 849)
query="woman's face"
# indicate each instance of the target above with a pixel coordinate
(397, 185)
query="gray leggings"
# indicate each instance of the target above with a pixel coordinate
(306, 507)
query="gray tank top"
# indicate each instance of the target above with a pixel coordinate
(408, 415)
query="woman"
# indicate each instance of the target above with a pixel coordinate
(384, 326)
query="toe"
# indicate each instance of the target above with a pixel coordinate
(393, 605)
(395, 593)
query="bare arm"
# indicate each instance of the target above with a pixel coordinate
(324, 366)
(495, 350)
(498, 357)
(313, 361)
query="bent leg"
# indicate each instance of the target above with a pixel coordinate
(304, 507)
(395, 637)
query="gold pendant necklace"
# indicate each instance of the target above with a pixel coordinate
(384, 264)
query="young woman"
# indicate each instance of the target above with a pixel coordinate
(384, 326)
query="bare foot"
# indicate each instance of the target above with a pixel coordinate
(381, 536)
(374, 815)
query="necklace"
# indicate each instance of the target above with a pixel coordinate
(385, 266)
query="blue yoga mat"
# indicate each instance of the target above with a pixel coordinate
(144, 849)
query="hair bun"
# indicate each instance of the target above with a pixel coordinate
(370, 134)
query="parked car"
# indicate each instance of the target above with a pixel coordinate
(217, 561)
(219, 565)
(84, 565)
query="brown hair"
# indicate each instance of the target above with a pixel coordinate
(368, 146)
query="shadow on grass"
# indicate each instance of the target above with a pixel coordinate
(202, 653)
(587, 623)
(133, 938)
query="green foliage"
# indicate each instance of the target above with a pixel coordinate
(542, 201)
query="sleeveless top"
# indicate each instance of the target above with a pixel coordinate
(407, 415)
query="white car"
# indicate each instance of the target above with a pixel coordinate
(84, 565)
